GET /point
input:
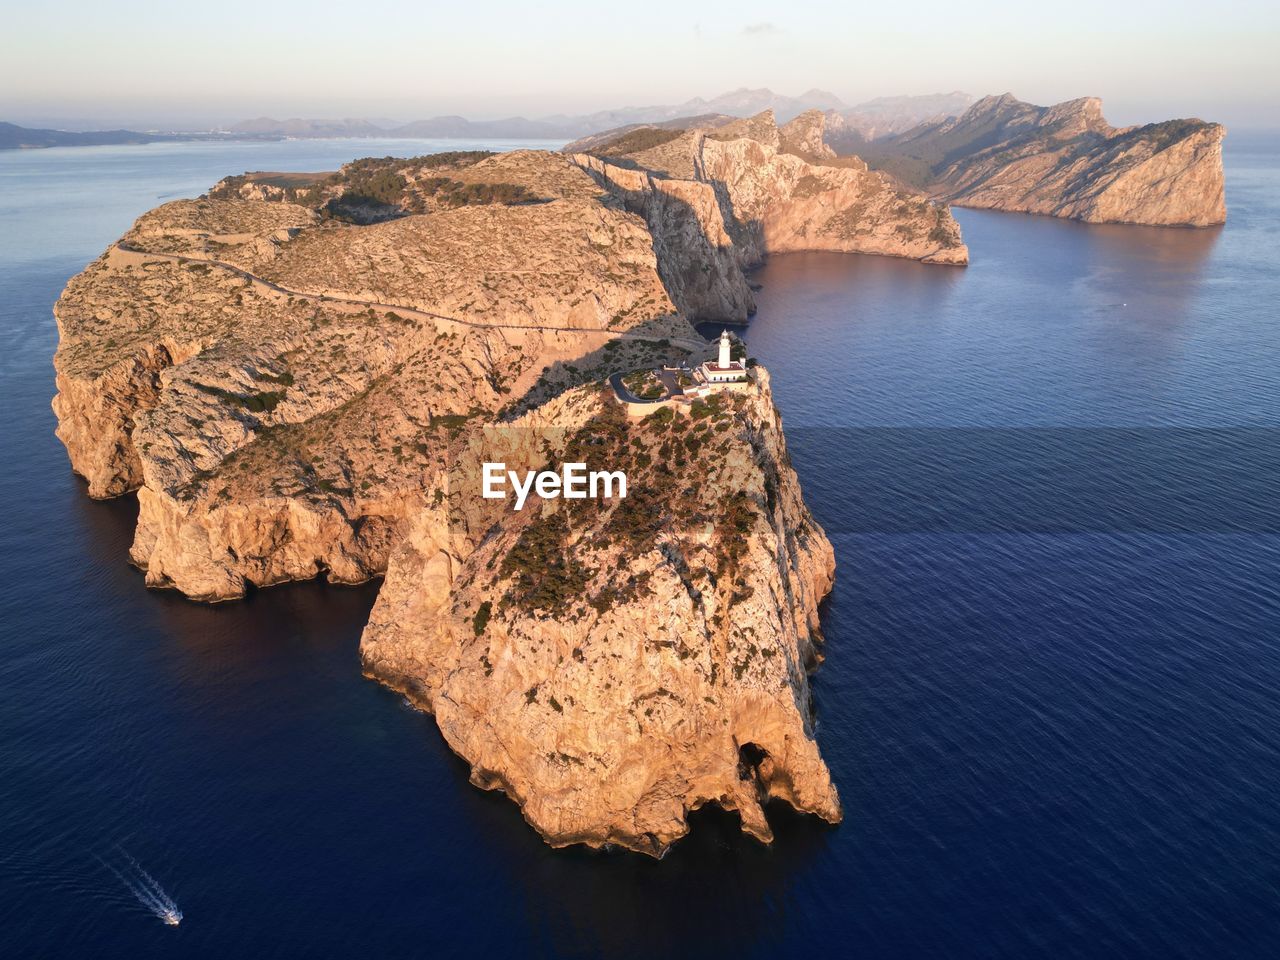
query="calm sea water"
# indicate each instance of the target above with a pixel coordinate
(1051, 699)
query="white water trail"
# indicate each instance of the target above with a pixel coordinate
(145, 889)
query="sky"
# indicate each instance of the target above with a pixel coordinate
(183, 64)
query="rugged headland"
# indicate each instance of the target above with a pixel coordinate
(780, 189)
(1062, 161)
(299, 375)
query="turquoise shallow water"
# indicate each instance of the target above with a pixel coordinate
(1050, 699)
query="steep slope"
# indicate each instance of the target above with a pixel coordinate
(1065, 161)
(612, 665)
(696, 255)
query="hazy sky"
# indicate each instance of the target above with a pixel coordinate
(133, 62)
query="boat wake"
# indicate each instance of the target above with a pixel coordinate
(145, 889)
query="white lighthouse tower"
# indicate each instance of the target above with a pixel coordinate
(726, 352)
(725, 369)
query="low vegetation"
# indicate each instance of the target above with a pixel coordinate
(1166, 134)
(564, 562)
(263, 402)
(373, 189)
(634, 141)
(644, 384)
(448, 192)
(292, 187)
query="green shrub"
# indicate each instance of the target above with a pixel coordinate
(456, 193)
(481, 619)
(254, 402)
(634, 141)
(449, 158)
(546, 576)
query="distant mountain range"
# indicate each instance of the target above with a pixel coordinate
(875, 118)
(886, 116)
(847, 129)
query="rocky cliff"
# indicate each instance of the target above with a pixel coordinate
(781, 190)
(304, 384)
(697, 259)
(264, 377)
(1065, 161)
(612, 666)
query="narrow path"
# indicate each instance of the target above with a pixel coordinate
(626, 396)
(132, 253)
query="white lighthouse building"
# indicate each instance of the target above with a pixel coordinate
(725, 369)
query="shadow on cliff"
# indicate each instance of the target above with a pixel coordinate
(703, 274)
(704, 279)
(593, 366)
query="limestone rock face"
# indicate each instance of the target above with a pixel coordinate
(644, 658)
(95, 417)
(803, 136)
(304, 384)
(784, 204)
(780, 190)
(762, 128)
(697, 260)
(1067, 161)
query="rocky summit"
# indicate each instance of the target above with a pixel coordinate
(303, 374)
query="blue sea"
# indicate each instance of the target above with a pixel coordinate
(1051, 689)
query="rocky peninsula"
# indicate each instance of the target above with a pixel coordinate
(300, 374)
